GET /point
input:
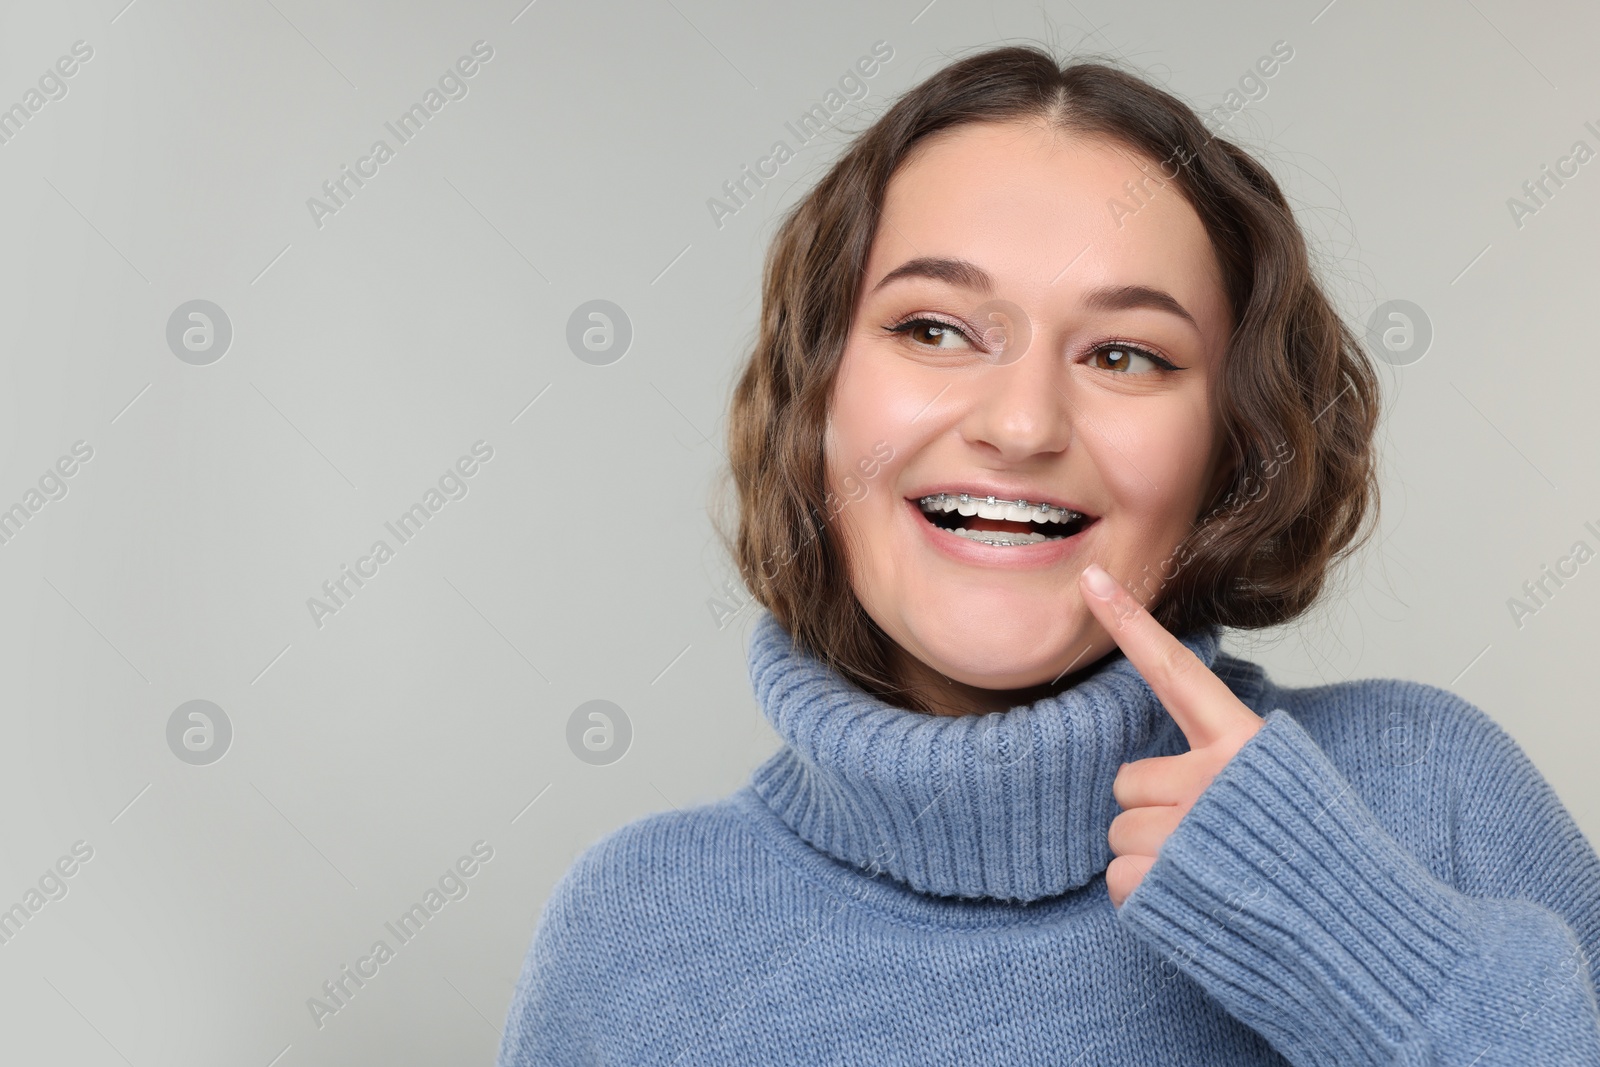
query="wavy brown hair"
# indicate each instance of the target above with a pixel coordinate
(1297, 397)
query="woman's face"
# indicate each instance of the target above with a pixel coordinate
(1066, 400)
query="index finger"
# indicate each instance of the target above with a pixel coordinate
(1201, 703)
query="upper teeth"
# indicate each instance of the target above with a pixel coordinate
(989, 508)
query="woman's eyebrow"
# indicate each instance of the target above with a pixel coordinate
(960, 272)
(968, 275)
(1122, 297)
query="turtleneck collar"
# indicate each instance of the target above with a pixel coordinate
(1012, 805)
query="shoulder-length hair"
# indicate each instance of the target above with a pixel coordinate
(1298, 399)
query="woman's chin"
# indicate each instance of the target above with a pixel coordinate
(1004, 658)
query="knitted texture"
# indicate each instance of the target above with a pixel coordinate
(1379, 876)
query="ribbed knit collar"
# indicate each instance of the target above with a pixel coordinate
(1013, 805)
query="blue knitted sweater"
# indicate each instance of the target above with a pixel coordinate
(1379, 876)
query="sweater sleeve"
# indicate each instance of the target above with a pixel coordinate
(1282, 895)
(545, 1022)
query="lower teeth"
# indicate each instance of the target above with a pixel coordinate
(1003, 539)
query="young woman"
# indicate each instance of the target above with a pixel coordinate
(1045, 396)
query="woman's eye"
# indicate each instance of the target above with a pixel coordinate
(1120, 357)
(931, 333)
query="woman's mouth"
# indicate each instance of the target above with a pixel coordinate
(1001, 523)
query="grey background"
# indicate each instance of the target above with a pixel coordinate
(368, 354)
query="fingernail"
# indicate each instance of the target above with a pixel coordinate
(1099, 582)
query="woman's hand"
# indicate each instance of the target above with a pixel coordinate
(1156, 793)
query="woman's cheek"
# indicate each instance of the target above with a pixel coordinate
(1141, 475)
(863, 417)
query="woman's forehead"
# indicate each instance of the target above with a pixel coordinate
(1046, 213)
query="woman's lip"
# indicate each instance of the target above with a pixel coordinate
(964, 550)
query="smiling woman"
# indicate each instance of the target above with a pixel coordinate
(1025, 809)
(1176, 349)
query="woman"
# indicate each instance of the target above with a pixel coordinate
(1045, 396)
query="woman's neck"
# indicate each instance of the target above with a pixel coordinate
(943, 695)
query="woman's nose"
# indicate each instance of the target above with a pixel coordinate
(1019, 404)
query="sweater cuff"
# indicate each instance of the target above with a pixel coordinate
(1282, 895)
